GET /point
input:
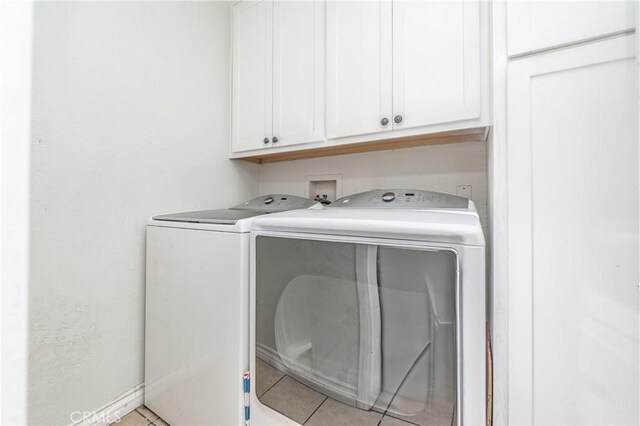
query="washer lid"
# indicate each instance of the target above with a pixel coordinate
(264, 204)
(222, 216)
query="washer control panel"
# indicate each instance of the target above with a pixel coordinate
(402, 199)
(275, 203)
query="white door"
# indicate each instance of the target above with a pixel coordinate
(252, 75)
(536, 25)
(358, 67)
(298, 72)
(436, 62)
(573, 236)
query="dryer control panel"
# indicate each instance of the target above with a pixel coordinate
(275, 203)
(402, 199)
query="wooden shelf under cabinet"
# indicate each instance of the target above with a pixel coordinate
(478, 134)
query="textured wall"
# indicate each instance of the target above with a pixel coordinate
(130, 119)
(437, 168)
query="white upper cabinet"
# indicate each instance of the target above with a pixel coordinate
(538, 25)
(401, 64)
(298, 72)
(359, 67)
(328, 72)
(436, 62)
(278, 73)
(252, 74)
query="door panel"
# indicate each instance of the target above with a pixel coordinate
(252, 74)
(536, 25)
(298, 72)
(358, 67)
(436, 61)
(573, 236)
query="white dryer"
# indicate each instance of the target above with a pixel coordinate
(197, 303)
(370, 310)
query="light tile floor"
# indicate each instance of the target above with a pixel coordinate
(277, 390)
(141, 416)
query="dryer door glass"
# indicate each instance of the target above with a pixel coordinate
(359, 330)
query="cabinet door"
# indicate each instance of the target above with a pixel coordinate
(358, 67)
(536, 25)
(436, 62)
(298, 71)
(252, 74)
(573, 236)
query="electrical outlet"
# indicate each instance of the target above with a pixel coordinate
(463, 191)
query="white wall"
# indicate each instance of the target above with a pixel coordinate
(130, 119)
(15, 122)
(438, 168)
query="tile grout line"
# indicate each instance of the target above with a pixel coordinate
(132, 412)
(317, 408)
(280, 379)
(151, 422)
(145, 417)
(402, 420)
(271, 387)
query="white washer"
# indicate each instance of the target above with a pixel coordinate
(372, 307)
(196, 340)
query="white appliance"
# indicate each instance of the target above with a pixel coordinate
(369, 310)
(197, 301)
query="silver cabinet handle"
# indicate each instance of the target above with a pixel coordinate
(384, 121)
(397, 119)
(274, 140)
(266, 141)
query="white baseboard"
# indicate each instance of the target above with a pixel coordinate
(114, 410)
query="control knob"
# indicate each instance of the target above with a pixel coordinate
(388, 196)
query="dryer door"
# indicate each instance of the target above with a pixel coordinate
(371, 327)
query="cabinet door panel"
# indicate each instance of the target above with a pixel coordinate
(573, 236)
(536, 25)
(358, 67)
(252, 74)
(436, 61)
(298, 71)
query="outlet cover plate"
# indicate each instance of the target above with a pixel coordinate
(464, 191)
